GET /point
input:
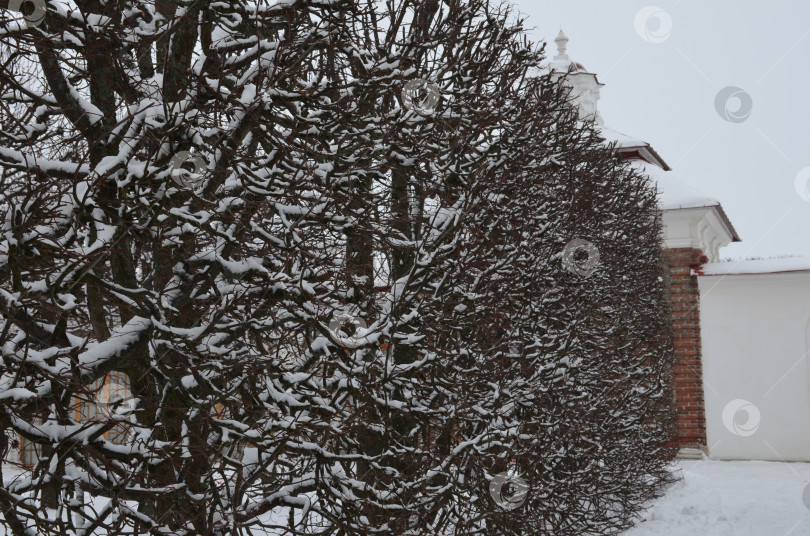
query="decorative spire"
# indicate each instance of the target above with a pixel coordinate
(562, 42)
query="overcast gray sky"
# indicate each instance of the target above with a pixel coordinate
(661, 83)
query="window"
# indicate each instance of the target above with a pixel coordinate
(30, 453)
(107, 395)
(119, 398)
(87, 409)
(110, 398)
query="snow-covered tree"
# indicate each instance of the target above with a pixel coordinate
(306, 267)
(559, 325)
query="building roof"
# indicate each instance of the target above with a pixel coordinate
(753, 267)
(566, 66)
(632, 148)
(623, 141)
(673, 192)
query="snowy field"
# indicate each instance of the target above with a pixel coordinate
(745, 498)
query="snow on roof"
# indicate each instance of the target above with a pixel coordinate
(623, 141)
(632, 148)
(565, 66)
(673, 192)
(751, 267)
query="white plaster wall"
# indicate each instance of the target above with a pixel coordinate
(756, 338)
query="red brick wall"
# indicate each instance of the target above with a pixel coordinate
(690, 428)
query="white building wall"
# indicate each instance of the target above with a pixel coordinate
(756, 367)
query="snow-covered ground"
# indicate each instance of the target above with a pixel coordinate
(734, 498)
(740, 498)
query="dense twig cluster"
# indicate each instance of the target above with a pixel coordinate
(335, 313)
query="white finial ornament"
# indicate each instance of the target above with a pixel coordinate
(584, 85)
(562, 42)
